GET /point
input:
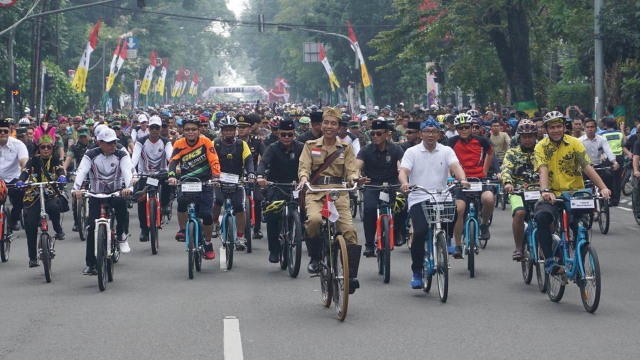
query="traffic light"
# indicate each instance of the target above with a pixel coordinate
(438, 75)
(15, 92)
(48, 82)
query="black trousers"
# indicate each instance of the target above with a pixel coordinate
(122, 218)
(420, 232)
(273, 220)
(165, 197)
(369, 218)
(32, 217)
(15, 196)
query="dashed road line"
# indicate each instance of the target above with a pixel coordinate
(232, 339)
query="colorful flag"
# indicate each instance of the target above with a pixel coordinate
(185, 80)
(193, 90)
(366, 78)
(177, 85)
(116, 63)
(80, 78)
(163, 76)
(148, 75)
(333, 81)
(329, 211)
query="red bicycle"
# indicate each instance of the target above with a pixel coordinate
(384, 229)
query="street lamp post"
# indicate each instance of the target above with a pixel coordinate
(598, 61)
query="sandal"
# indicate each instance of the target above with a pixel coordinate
(517, 255)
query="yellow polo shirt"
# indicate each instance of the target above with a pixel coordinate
(565, 163)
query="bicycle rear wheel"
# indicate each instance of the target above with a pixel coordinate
(340, 278)
(199, 249)
(527, 262)
(384, 254)
(471, 250)
(555, 283)
(360, 205)
(353, 206)
(153, 227)
(5, 239)
(101, 258)
(591, 284)
(442, 268)
(45, 255)
(603, 218)
(294, 244)
(230, 241)
(626, 184)
(191, 246)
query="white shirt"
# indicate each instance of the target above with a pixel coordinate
(597, 146)
(450, 134)
(355, 143)
(10, 156)
(427, 169)
(135, 134)
(149, 156)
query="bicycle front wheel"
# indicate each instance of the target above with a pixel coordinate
(539, 266)
(556, 283)
(340, 278)
(442, 268)
(471, 249)
(294, 248)
(603, 218)
(45, 255)
(589, 282)
(384, 254)
(360, 205)
(199, 249)
(101, 257)
(527, 262)
(191, 247)
(326, 276)
(230, 241)
(626, 184)
(353, 206)
(5, 240)
(153, 227)
(81, 220)
(247, 225)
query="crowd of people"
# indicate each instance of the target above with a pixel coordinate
(327, 146)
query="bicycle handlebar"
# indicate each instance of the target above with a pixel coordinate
(316, 190)
(101, 196)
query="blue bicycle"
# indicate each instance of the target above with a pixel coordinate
(532, 252)
(471, 241)
(191, 188)
(228, 224)
(577, 258)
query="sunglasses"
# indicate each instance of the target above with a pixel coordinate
(286, 134)
(466, 127)
(190, 129)
(411, 132)
(4, 131)
(378, 133)
(110, 142)
(154, 127)
(476, 127)
(45, 147)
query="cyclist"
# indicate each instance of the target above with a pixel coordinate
(197, 158)
(517, 170)
(151, 153)
(379, 162)
(616, 140)
(347, 137)
(427, 165)
(499, 140)
(143, 130)
(74, 157)
(560, 160)
(14, 155)
(279, 164)
(107, 169)
(235, 158)
(596, 146)
(342, 168)
(316, 128)
(412, 135)
(42, 167)
(475, 154)
(245, 122)
(303, 125)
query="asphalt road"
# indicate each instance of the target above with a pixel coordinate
(153, 311)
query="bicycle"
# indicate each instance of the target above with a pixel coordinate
(360, 203)
(627, 177)
(290, 230)
(191, 188)
(82, 209)
(532, 252)
(229, 184)
(442, 209)
(601, 206)
(334, 263)
(500, 197)
(46, 243)
(384, 229)
(250, 216)
(153, 208)
(472, 242)
(106, 247)
(6, 235)
(577, 258)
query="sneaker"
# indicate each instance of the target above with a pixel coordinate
(398, 240)
(90, 270)
(241, 243)
(457, 254)
(416, 281)
(257, 234)
(274, 257)
(75, 227)
(144, 235)
(209, 254)
(216, 230)
(368, 251)
(166, 210)
(124, 247)
(484, 232)
(33, 263)
(313, 267)
(59, 236)
(180, 235)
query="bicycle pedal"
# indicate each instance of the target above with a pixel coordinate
(314, 275)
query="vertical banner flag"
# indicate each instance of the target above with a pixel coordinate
(148, 75)
(119, 56)
(175, 91)
(366, 79)
(333, 81)
(185, 79)
(193, 90)
(163, 76)
(80, 78)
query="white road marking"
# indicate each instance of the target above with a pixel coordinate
(623, 208)
(232, 340)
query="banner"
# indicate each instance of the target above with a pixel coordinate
(148, 75)
(163, 76)
(80, 78)
(116, 63)
(366, 78)
(333, 81)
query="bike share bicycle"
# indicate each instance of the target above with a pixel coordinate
(334, 262)
(290, 226)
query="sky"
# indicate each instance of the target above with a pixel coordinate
(236, 6)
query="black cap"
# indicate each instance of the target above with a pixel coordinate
(414, 125)
(286, 125)
(316, 117)
(379, 125)
(243, 120)
(5, 123)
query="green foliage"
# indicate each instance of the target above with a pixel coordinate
(63, 98)
(564, 95)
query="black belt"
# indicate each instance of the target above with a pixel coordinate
(326, 180)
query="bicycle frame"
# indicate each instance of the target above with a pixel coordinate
(152, 193)
(103, 220)
(192, 217)
(472, 220)
(565, 240)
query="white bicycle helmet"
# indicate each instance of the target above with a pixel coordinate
(228, 121)
(553, 115)
(473, 113)
(462, 119)
(24, 122)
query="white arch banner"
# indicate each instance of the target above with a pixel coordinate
(234, 90)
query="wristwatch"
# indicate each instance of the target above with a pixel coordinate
(546, 190)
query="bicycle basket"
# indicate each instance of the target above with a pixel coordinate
(580, 202)
(439, 212)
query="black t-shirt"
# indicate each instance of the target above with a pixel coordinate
(280, 164)
(636, 148)
(381, 166)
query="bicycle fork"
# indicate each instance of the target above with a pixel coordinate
(156, 210)
(379, 231)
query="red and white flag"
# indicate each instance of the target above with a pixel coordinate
(148, 75)
(116, 63)
(330, 211)
(80, 78)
